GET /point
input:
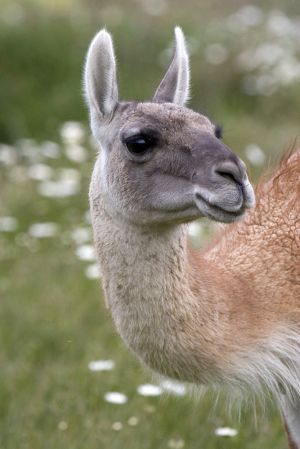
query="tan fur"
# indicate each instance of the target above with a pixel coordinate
(263, 250)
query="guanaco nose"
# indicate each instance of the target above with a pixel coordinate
(232, 171)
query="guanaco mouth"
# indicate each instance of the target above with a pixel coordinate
(217, 213)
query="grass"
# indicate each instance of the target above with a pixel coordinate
(53, 318)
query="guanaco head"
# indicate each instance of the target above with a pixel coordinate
(159, 161)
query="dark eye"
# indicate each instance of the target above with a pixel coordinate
(219, 131)
(139, 145)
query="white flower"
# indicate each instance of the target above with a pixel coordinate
(246, 17)
(101, 365)
(149, 390)
(255, 154)
(62, 425)
(93, 271)
(76, 153)
(8, 154)
(40, 172)
(58, 189)
(176, 443)
(132, 421)
(226, 432)
(69, 174)
(81, 235)
(173, 387)
(72, 132)
(85, 252)
(50, 149)
(68, 184)
(117, 426)
(43, 230)
(8, 224)
(281, 25)
(115, 397)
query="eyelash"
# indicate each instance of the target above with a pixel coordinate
(139, 144)
(219, 131)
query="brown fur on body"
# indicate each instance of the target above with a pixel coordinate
(263, 250)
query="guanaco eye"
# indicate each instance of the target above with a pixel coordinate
(139, 145)
(219, 131)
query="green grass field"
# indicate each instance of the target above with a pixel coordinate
(53, 318)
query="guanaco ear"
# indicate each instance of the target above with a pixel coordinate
(174, 88)
(100, 82)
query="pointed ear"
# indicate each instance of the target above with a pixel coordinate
(174, 88)
(100, 82)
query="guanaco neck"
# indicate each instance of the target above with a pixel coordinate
(171, 308)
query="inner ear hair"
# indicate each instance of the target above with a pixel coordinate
(174, 87)
(100, 80)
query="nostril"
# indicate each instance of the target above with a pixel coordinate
(226, 175)
(231, 171)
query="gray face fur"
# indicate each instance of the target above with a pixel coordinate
(159, 162)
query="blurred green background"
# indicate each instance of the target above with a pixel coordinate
(245, 61)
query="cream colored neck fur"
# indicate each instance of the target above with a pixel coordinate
(148, 292)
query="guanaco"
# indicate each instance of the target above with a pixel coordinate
(230, 314)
